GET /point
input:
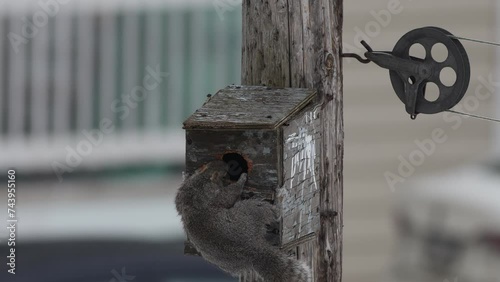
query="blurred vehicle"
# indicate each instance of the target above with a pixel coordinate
(449, 227)
(109, 240)
(91, 261)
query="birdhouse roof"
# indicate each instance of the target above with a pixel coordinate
(259, 107)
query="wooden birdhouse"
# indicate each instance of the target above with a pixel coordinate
(265, 132)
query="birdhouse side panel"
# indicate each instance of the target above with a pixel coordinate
(299, 195)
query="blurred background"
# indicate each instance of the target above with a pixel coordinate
(92, 99)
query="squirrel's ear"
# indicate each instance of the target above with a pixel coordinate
(201, 169)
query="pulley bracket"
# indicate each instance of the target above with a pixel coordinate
(410, 75)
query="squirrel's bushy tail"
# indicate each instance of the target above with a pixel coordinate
(277, 267)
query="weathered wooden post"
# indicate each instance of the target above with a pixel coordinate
(298, 44)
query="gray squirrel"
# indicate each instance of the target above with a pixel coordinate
(232, 233)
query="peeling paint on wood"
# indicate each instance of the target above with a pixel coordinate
(299, 196)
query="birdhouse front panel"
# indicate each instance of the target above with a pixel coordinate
(252, 151)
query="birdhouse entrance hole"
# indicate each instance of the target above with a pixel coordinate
(237, 165)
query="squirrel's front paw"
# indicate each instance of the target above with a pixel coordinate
(243, 178)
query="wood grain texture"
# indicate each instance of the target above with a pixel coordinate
(249, 107)
(298, 44)
(265, 58)
(304, 249)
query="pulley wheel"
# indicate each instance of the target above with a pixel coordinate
(457, 61)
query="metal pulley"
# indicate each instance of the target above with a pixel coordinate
(410, 75)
